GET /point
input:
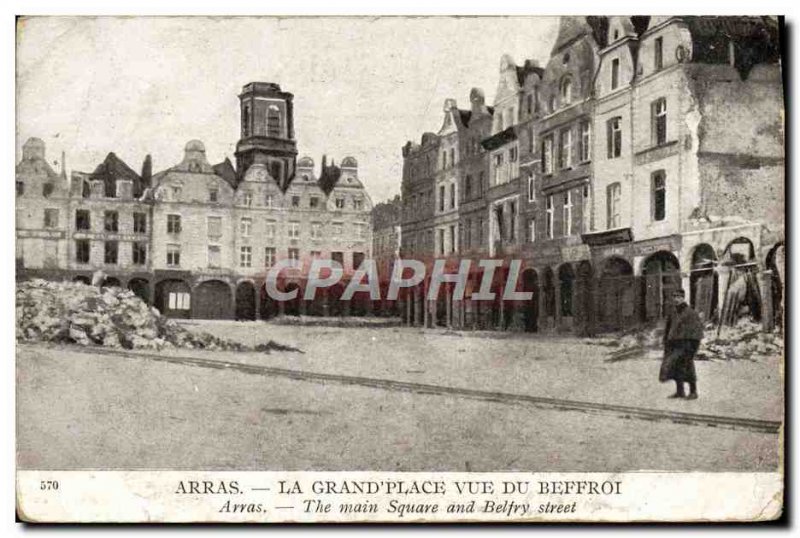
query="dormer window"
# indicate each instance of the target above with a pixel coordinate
(340, 203)
(47, 190)
(616, 34)
(566, 91)
(176, 193)
(273, 121)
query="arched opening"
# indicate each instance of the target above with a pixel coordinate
(741, 296)
(245, 301)
(566, 284)
(212, 300)
(83, 279)
(703, 282)
(292, 306)
(776, 264)
(173, 298)
(530, 283)
(584, 287)
(269, 307)
(111, 282)
(662, 276)
(273, 121)
(139, 287)
(615, 294)
(549, 291)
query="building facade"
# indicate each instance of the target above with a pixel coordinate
(647, 155)
(197, 240)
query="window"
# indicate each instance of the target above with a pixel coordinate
(111, 221)
(585, 141)
(658, 53)
(294, 229)
(453, 243)
(86, 190)
(659, 188)
(358, 259)
(359, 229)
(565, 148)
(452, 157)
(547, 154)
(586, 209)
(316, 230)
(173, 224)
(214, 225)
(337, 228)
(512, 155)
(339, 202)
(139, 252)
(531, 141)
(83, 220)
(338, 257)
(549, 222)
(47, 189)
(659, 122)
(246, 121)
(245, 256)
(358, 204)
(614, 137)
(276, 170)
(173, 255)
(111, 249)
(551, 104)
(214, 256)
(269, 201)
(613, 196)
(176, 193)
(441, 197)
(213, 194)
(567, 214)
(269, 256)
(295, 201)
(498, 169)
(566, 91)
(313, 202)
(531, 188)
(440, 232)
(468, 187)
(532, 230)
(480, 231)
(245, 227)
(529, 104)
(110, 188)
(273, 122)
(20, 188)
(51, 218)
(294, 253)
(82, 250)
(512, 228)
(247, 199)
(614, 73)
(179, 301)
(139, 223)
(452, 195)
(269, 229)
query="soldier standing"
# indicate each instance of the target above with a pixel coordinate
(682, 335)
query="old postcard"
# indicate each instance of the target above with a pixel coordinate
(400, 269)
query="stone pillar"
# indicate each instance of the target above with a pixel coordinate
(419, 311)
(408, 320)
(765, 287)
(540, 297)
(557, 295)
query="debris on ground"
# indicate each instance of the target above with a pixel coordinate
(745, 340)
(74, 312)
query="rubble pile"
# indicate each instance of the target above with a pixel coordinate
(73, 312)
(745, 340)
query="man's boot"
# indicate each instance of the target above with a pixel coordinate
(679, 390)
(692, 390)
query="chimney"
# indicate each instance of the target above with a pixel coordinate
(63, 165)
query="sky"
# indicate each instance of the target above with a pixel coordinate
(362, 86)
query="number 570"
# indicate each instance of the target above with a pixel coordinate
(45, 485)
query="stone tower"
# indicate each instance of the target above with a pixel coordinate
(267, 131)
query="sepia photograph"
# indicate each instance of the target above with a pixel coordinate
(395, 268)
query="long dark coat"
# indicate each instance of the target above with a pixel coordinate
(682, 335)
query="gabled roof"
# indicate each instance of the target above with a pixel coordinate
(465, 116)
(528, 67)
(499, 139)
(114, 168)
(226, 171)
